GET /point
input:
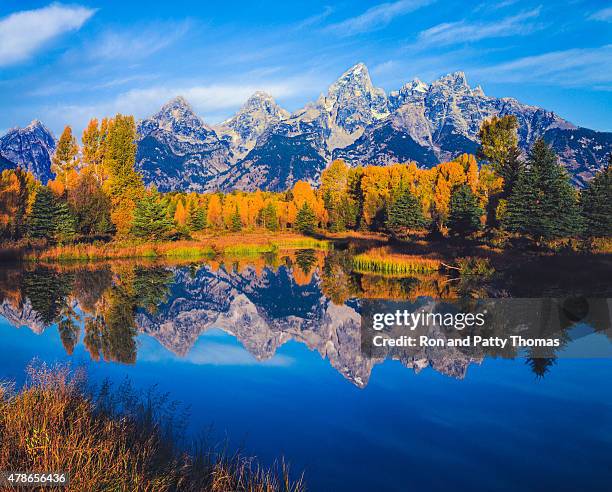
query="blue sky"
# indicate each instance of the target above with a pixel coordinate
(64, 63)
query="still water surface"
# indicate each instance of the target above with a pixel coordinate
(266, 354)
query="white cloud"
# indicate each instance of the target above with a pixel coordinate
(23, 33)
(463, 31)
(578, 67)
(602, 15)
(376, 17)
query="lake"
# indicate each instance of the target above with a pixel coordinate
(265, 353)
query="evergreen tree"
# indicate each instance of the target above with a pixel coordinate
(268, 217)
(464, 215)
(41, 223)
(151, 219)
(64, 223)
(236, 221)
(597, 203)
(305, 220)
(196, 218)
(405, 212)
(543, 203)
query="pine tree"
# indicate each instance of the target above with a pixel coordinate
(41, 223)
(465, 213)
(305, 220)
(196, 218)
(236, 221)
(64, 223)
(151, 220)
(597, 203)
(405, 212)
(268, 217)
(543, 203)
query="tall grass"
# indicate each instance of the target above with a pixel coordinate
(380, 260)
(304, 243)
(119, 250)
(249, 249)
(103, 443)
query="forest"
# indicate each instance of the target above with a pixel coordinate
(98, 195)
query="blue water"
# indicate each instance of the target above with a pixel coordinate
(498, 427)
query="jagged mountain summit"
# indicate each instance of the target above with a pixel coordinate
(30, 148)
(267, 148)
(263, 146)
(178, 151)
(244, 128)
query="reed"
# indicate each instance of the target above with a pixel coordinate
(304, 243)
(473, 265)
(106, 443)
(380, 260)
(249, 249)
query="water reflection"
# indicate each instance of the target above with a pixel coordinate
(312, 297)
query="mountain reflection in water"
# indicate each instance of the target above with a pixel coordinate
(311, 297)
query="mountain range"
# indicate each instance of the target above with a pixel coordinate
(264, 146)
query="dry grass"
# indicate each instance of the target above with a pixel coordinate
(53, 424)
(382, 260)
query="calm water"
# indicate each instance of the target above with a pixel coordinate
(265, 352)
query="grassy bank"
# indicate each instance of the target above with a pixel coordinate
(202, 246)
(53, 423)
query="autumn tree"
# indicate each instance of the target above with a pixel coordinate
(17, 191)
(340, 205)
(94, 141)
(64, 159)
(124, 185)
(90, 204)
(214, 215)
(499, 147)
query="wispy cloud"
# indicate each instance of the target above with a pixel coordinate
(24, 33)
(602, 15)
(579, 67)
(214, 102)
(376, 17)
(464, 31)
(315, 19)
(136, 42)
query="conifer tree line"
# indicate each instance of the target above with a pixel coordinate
(98, 193)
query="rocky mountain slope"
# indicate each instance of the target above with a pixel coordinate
(264, 146)
(428, 123)
(30, 148)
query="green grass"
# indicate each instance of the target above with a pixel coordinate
(190, 252)
(249, 249)
(304, 243)
(376, 261)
